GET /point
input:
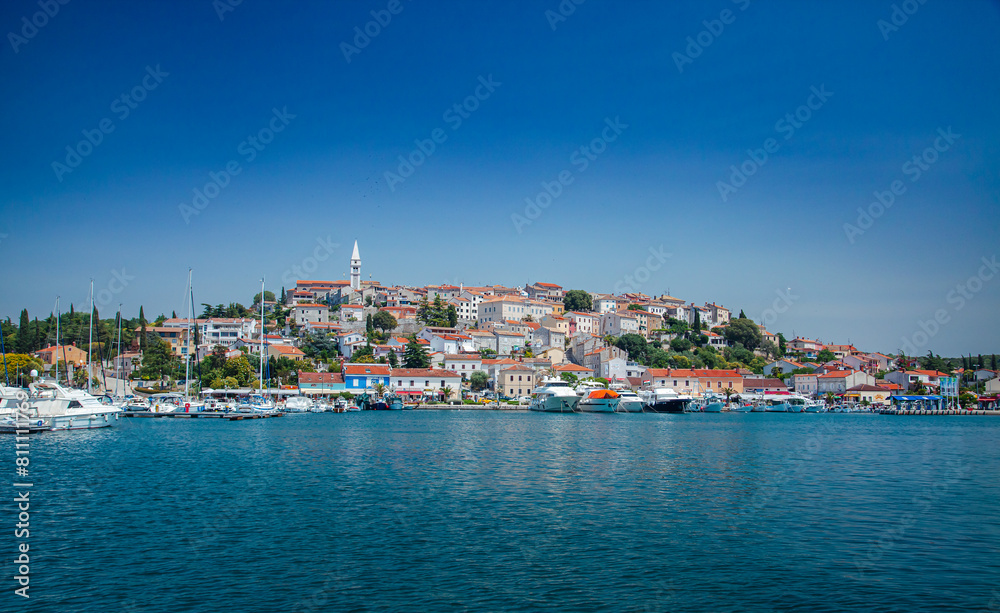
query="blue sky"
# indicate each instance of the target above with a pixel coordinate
(211, 83)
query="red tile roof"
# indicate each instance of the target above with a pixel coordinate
(423, 372)
(366, 369)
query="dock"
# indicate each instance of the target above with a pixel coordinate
(936, 412)
(202, 415)
(470, 407)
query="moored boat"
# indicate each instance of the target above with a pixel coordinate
(599, 401)
(664, 400)
(60, 408)
(629, 402)
(554, 396)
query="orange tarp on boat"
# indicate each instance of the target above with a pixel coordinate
(597, 394)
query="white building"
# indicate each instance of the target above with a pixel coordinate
(309, 312)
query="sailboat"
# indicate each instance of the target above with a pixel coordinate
(258, 403)
(191, 405)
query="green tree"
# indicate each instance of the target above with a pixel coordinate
(268, 297)
(452, 316)
(18, 367)
(158, 362)
(415, 356)
(981, 363)
(636, 307)
(742, 315)
(240, 369)
(696, 326)
(993, 362)
(392, 360)
(369, 326)
(825, 356)
(384, 321)
(578, 300)
(782, 347)
(569, 377)
(23, 338)
(743, 331)
(478, 381)
(634, 345)
(363, 355)
(680, 344)
(769, 349)
(142, 330)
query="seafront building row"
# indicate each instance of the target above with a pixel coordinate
(516, 335)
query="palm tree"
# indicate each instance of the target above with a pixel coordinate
(609, 339)
(445, 392)
(729, 392)
(379, 390)
(829, 397)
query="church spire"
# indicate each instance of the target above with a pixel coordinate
(356, 268)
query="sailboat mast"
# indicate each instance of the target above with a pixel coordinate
(118, 354)
(59, 343)
(90, 342)
(260, 379)
(187, 354)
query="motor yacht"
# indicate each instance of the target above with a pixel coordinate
(554, 396)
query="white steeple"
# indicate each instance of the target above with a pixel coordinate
(356, 268)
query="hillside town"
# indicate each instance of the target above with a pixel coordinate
(458, 342)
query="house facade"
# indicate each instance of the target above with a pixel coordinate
(516, 381)
(362, 378)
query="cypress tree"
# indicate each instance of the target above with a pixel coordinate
(23, 333)
(142, 329)
(993, 362)
(981, 360)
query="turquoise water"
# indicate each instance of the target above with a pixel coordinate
(483, 511)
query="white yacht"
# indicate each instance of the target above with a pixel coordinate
(136, 403)
(8, 399)
(166, 403)
(554, 396)
(68, 409)
(298, 404)
(664, 400)
(255, 403)
(816, 406)
(797, 404)
(629, 402)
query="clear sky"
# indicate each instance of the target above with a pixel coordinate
(643, 126)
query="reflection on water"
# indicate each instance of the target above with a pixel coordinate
(474, 511)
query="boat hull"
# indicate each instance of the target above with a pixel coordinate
(597, 405)
(669, 406)
(630, 406)
(556, 404)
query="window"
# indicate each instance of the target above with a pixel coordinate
(411, 383)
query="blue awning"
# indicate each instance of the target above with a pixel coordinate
(912, 398)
